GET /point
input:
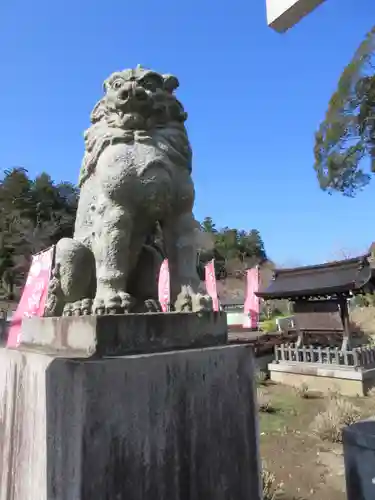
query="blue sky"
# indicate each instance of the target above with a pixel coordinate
(254, 99)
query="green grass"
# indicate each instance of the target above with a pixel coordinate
(269, 325)
(286, 405)
(290, 411)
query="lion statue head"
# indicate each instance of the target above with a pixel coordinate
(138, 104)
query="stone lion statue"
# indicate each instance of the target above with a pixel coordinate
(135, 174)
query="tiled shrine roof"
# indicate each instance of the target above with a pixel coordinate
(333, 278)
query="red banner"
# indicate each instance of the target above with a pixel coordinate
(164, 286)
(252, 303)
(211, 283)
(34, 295)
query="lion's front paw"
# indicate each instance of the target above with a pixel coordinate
(80, 308)
(202, 303)
(116, 303)
(152, 305)
(193, 302)
(184, 303)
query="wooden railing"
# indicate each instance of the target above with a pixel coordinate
(357, 357)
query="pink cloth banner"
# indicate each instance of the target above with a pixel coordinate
(252, 303)
(164, 290)
(34, 295)
(211, 283)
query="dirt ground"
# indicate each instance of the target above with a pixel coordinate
(308, 467)
(364, 318)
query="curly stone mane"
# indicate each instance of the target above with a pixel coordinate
(160, 119)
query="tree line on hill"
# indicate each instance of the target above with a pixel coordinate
(36, 213)
(234, 250)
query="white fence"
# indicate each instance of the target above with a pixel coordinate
(358, 357)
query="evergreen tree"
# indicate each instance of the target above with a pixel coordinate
(345, 142)
(34, 214)
(208, 225)
(234, 250)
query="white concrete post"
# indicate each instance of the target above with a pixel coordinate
(284, 14)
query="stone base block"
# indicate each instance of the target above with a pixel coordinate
(117, 335)
(169, 426)
(324, 378)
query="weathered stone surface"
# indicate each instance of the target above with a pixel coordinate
(23, 424)
(116, 335)
(135, 175)
(170, 426)
(3, 331)
(347, 380)
(359, 459)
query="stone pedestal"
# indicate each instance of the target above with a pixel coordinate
(117, 335)
(347, 380)
(176, 425)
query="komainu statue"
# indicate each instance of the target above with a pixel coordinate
(135, 174)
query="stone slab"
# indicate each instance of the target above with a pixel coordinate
(349, 381)
(325, 385)
(177, 425)
(359, 460)
(323, 370)
(117, 335)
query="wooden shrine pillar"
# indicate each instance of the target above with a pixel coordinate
(344, 311)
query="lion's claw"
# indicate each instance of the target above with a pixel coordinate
(152, 305)
(119, 303)
(195, 302)
(78, 308)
